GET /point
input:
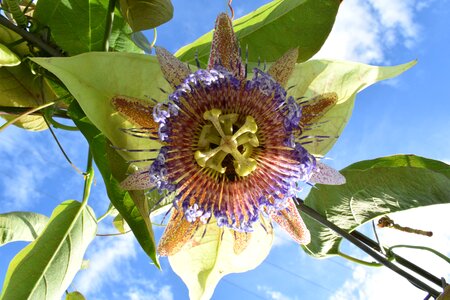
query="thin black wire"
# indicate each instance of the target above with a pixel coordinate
(243, 289)
(328, 260)
(298, 276)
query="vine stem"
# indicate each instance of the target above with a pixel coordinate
(435, 252)
(113, 234)
(109, 24)
(361, 245)
(88, 178)
(12, 110)
(107, 213)
(399, 259)
(26, 113)
(28, 36)
(359, 261)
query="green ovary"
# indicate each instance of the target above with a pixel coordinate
(238, 144)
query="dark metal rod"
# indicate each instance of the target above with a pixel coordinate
(29, 37)
(402, 261)
(318, 217)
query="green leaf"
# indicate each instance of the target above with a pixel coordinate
(120, 224)
(95, 78)
(45, 268)
(206, 259)
(146, 14)
(274, 28)
(75, 296)
(345, 79)
(8, 37)
(130, 205)
(20, 88)
(7, 57)
(21, 226)
(374, 188)
(79, 26)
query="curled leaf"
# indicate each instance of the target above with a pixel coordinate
(146, 14)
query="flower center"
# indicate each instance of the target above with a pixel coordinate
(223, 137)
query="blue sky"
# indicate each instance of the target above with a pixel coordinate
(408, 114)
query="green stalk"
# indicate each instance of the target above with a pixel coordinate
(109, 24)
(4, 126)
(88, 178)
(19, 16)
(359, 261)
(107, 213)
(435, 252)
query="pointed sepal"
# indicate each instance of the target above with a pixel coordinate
(178, 232)
(137, 111)
(225, 48)
(290, 220)
(317, 107)
(241, 241)
(324, 174)
(137, 181)
(173, 69)
(282, 69)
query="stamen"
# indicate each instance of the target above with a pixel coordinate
(227, 142)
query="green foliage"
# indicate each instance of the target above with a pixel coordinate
(120, 224)
(75, 296)
(45, 268)
(21, 226)
(316, 77)
(20, 88)
(130, 205)
(7, 57)
(274, 28)
(374, 188)
(9, 37)
(206, 259)
(146, 14)
(114, 74)
(78, 26)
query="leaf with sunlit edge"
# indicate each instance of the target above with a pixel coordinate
(213, 254)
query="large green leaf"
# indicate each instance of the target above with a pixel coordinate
(131, 205)
(9, 37)
(7, 57)
(21, 226)
(146, 14)
(95, 78)
(274, 28)
(374, 188)
(79, 26)
(209, 256)
(20, 88)
(45, 268)
(344, 78)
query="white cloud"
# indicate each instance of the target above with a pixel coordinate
(108, 260)
(146, 290)
(24, 169)
(111, 268)
(272, 294)
(365, 29)
(366, 282)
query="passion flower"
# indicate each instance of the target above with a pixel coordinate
(232, 148)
